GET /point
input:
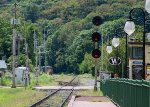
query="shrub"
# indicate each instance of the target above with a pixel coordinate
(45, 79)
(6, 80)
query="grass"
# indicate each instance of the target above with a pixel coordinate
(22, 98)
(86, 78)
(47, 80)
(43, 79)
(19, 97)
(51, 80)
(64, 78)
(6, 80)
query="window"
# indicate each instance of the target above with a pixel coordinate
(137, 52)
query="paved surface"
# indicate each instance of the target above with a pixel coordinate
(87, 102)
(57, 87)
(92, 98)
(4, 87)
(65, 88)
(9, 87)
(92, 104)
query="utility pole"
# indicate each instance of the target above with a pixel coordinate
(39, 59)
(27, 76)
(18, 42)
(36, 56)
(39, 47)
(35, 47)
(102, 56)
(14, 48)
(26, 49)
(44, 33)
(34, 35)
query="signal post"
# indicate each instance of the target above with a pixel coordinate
(96, 53)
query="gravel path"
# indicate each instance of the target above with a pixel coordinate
(87, 81)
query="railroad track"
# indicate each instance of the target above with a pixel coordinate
(56, 98)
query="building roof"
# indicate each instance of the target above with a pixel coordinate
(3, 64)
(137, 44)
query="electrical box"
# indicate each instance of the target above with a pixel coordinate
(22, 75)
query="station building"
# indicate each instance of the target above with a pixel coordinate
(135, 55)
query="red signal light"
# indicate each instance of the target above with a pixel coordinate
(97, 20)
(96, 53)
(96, 37)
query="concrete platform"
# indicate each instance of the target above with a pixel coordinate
(86, 101)
(64, 88)
(4, 87)
(10, 87)
(92, 104)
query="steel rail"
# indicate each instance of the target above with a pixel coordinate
(48, 96)
(66, 99)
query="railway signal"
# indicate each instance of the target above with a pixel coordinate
(96, 53)
(97, 20)
(96, 37)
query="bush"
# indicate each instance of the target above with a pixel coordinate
(6, 80)
(30, 87)
(32, 79)
(62, 74)
(45, 79)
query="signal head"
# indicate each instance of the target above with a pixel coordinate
(96, 53)
(96, 37)
(97, 20)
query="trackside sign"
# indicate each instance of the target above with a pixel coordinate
(114, 60)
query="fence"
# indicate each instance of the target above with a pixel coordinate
(127, 92)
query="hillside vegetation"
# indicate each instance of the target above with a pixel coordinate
(69, 25)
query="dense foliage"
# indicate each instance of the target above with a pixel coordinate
(69, 25)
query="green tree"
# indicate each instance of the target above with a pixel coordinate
(5, 38)
(87, 65)
(32, 12)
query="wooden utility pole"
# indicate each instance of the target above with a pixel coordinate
(36, 56)
(34, 36)
(14, 48)
(44, 33)
(35, 47)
